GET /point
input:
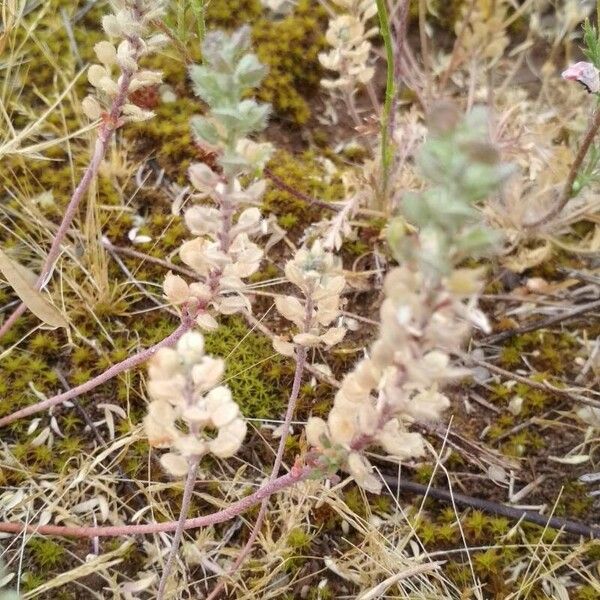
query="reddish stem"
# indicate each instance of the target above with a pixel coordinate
(106, 130)
(128, 363)
(296, 475)
(291, 408)
(185, 507)
(567, 191)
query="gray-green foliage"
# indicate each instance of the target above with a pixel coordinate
(464, 168)
(229, 71)
(591, 41)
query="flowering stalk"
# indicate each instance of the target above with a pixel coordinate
(182, 381)
(222, 254)
(183, 387)
(291, 408)
(349, 34)
(185, 508)
(130, 22)
(300, 354)
(429, 307)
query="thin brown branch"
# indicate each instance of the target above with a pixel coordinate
(543, 323)
(567, 192)
(570, 393)
(517, 514)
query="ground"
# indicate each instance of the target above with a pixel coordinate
(310, 547)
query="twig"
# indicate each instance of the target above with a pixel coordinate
(488, 506)
(296, 475)
(545, 386)
(105, 133)
(128, 363)
(567, 192)
(543, 323)
(147, 258)
(291, 408)
(581, 276)
(281, 184)
(185, 508)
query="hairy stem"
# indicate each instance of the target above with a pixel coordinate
(291, 408)
(128, 363)
(567, 192)
(185, 507)
(295, 476)
(105, 134)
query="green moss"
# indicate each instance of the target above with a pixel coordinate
(43, 343)
(167, 137)
(46, 552)
(475, 523)
(290, 48)
(354, 500)
(574, 501)
(31, 580)
(230, 14)
(253, 369)
(550, 351)
(510, 357)
(424, 474)
(297, 539)
(586, 592)
(306, 176)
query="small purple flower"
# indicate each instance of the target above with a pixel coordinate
(584, 73)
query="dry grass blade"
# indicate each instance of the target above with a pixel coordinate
(20, 279)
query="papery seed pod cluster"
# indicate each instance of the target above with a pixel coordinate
(189, 413)
(118, 71)
(429, 309)
(223, 252)
(398, 383)
(350, 56)
(318, 275)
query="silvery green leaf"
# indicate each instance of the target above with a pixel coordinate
(222, 51)
(212, 50)
(247, 117)
(447, 210)
(479, 180)
(204, 130)
(250, 71)
(233, 164)
(477, 241)
(240, 41)
(213, 87)
(415, 209)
